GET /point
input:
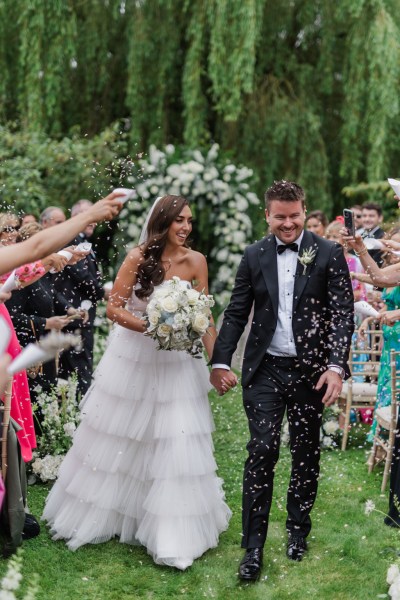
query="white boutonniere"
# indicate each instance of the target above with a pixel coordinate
(307, 257)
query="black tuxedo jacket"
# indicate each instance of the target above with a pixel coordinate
(323, 308)
(81, 282)
(377, 255)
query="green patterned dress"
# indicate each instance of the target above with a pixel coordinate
(391, 341)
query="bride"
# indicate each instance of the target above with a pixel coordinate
(141, 466)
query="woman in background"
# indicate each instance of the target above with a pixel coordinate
(391, 334)
(317, 222)
(9, 227)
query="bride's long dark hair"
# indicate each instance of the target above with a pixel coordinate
(151, 271)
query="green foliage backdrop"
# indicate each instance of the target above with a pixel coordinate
(37, 171)
(306, 89)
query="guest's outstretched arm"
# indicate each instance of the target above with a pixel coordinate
(52, 239)
(386, 277)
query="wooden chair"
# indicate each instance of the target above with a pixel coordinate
(5, 408)
(386, 418)
(359, 391)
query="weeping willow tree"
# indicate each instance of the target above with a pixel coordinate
(63, 64)
(304, 89)
(371, 104)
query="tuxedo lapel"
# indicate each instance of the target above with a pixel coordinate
(301, 277)
(269, 270)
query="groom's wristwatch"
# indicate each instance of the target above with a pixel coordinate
(337, 370)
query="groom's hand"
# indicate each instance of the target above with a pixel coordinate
(333, 383)
(223, 380)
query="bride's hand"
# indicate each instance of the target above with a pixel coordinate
(223, 380)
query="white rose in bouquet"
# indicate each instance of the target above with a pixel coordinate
(164, 330)
(154, 317)
(200, 323)
(169, 304)
(192, 296)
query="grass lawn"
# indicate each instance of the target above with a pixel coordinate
(348, 552)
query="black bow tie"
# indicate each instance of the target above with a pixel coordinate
(282, 247)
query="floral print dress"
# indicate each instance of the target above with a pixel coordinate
(391, 341)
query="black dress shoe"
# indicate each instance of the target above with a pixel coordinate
(31, 527)
(296, 547)
(250, 567)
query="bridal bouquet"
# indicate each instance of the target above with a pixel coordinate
(178, 316)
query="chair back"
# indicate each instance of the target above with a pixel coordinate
(359, 391)
(5, 408)
(386, 423)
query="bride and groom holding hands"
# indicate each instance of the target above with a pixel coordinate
(141, 466)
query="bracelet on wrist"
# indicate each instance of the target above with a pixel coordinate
(363, 251)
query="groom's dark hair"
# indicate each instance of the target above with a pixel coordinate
(287, 191)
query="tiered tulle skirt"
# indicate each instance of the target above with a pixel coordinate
(141, 466)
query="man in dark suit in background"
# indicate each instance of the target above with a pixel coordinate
(371, 218)
(79, 283)
(295, 359)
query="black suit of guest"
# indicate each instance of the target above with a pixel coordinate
(377, 234)
(320, 326)
(79, 282)
(29, 308)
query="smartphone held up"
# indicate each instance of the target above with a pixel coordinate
(349, 222)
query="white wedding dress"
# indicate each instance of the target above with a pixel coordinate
(141, 466)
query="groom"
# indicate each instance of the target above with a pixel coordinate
(295, 360)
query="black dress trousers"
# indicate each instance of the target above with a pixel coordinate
(280, 386)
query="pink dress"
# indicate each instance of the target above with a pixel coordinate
(21, 409)
(355, 266)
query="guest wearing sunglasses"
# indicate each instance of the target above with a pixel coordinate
(9, 227)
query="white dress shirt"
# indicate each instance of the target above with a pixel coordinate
(282, 343)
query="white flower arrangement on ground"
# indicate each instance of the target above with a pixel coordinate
(220, 198)
(393, 580)
(393, 572)
(178, 316)
(102, 329)
(11, 582)
(60, 417)
(329, 429)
